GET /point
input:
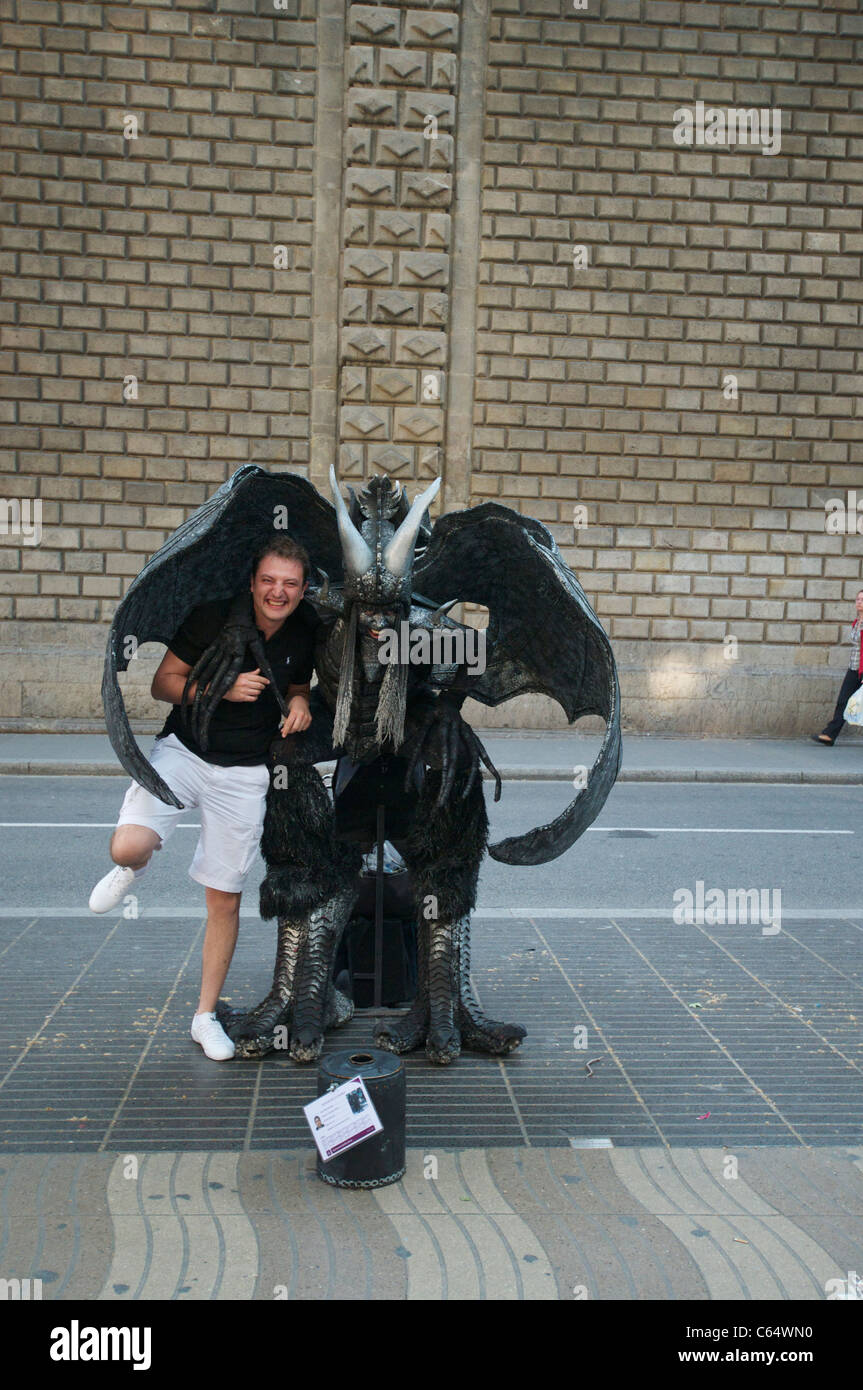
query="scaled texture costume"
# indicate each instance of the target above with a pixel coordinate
(396, 728)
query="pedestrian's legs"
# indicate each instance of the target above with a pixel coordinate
(849, 685)
(223, 921)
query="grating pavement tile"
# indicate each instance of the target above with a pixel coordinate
(694, 1035)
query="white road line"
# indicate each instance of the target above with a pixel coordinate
(709, 830)
(592, 829)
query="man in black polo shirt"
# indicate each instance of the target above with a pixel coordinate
(228, 781)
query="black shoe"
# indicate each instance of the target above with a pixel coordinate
(825, 742)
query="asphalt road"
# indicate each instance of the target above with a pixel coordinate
(650, 841)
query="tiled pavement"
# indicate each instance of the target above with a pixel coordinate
(703, 1035)
(500, 1223)
(133, 1167)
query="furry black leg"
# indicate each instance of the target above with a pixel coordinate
(444, 852)
(309, 887)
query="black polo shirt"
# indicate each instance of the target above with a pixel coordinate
(241, 731)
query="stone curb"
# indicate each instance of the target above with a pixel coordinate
(47, 768)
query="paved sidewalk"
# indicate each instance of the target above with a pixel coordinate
(536, 756)
(715, 1153)
(560, 1224)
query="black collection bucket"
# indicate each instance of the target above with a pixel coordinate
(380, 1159)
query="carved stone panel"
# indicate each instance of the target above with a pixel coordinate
(372, 104)
(375, 23)
(365, 422)
(393, 385)
(395, 306)
(369, 265)
(420, 349)
(397, 227)
(431, 28)
(399, 152)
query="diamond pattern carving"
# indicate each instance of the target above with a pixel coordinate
(368, 264)
(419, 423)
(393, 383)
(391, 459)
(423, 266)
(422, 346)
(366, 421)
(371, 183)
(402, 147)
(398, 226)
(403, 62)
(393, 305)
(371, 105)
(426, 188)
(373, 21)
(368, 341)
(405, 67)
(418, 105)
(431, 28)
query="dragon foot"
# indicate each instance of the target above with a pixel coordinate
(404, 1034)
(481, 1034)
(442, 1044)
(253, 1033)
(339, 1008)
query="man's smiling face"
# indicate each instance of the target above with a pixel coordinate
(277, 587)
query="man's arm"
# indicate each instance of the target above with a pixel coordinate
(170, 680)
(299, 715)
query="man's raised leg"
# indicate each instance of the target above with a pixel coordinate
(131, 849)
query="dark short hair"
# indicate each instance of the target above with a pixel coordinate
(286, 549)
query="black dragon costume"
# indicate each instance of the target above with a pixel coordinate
(395, 728)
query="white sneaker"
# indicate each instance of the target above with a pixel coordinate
(208, 1031)
(111, 889)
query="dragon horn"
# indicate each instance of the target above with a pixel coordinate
(357, 553)
(399, 552)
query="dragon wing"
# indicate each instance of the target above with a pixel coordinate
(207, 559)
(543, 638)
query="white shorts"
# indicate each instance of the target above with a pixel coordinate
(231, 800)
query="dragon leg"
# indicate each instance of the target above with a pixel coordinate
(444, 852)
(314, 990)
(406, 1034)
(478, 1033)
(254, 1033)
(309, 888)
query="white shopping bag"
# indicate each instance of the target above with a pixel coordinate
(854, 707)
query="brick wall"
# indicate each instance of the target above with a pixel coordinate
(603, 386)
(597, 392)
(149, 257)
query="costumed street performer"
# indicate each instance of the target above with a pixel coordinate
(395, 726)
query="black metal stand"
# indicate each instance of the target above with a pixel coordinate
(379, 909)
(378, 974)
